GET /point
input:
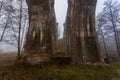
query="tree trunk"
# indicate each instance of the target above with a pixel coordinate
(19, 32)
(104, 44)
(5, 27)
(115, 32)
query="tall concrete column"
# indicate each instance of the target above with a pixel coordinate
(84, 44)
(42, 24)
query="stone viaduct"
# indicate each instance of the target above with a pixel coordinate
(81, 41)
(80, 38)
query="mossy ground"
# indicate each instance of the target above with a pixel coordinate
(53, 72)
(116, 67)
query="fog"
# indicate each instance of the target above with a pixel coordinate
(60, 10)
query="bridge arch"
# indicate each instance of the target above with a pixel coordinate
(81, 42)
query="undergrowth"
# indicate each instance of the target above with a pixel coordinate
(70, 72)
(53, 72)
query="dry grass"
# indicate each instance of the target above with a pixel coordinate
(52, 72)
(7, 59)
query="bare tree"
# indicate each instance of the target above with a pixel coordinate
(19, 32)
(14, 27)
(101, 32)
(111, 13)
(8, 10)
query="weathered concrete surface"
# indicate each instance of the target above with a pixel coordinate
(80, 36)
(42, 33)
(81, 42)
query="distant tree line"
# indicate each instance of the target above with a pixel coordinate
(108, 26)
(13, 23)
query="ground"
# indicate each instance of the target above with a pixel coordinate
(55, 72)
(116, 66)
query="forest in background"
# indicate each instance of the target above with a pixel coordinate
(14, 25)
